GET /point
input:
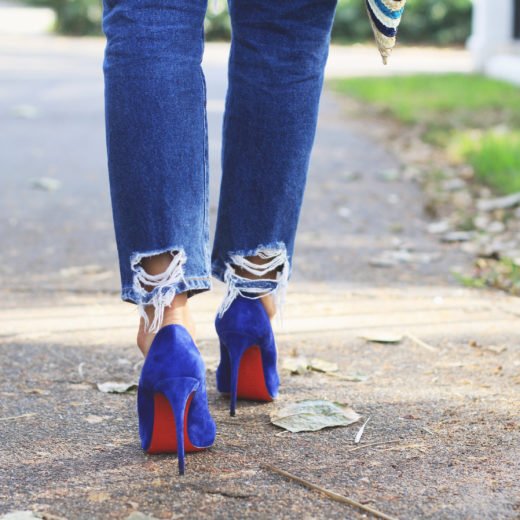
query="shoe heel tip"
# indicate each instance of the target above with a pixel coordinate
(181, 466)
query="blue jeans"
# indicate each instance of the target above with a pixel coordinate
(157, 142)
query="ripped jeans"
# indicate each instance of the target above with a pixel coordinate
(157, 142)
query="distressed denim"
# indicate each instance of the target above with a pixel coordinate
(157, 142)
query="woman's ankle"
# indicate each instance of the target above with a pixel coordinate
(267, 300)
(177, 313)
(269, 305)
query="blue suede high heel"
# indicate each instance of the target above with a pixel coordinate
(172, 403)
(247, 368)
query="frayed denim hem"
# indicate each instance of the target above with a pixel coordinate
(193, 285)
(159, 290)
(276, 259)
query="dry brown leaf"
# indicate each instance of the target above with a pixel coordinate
(382, 337)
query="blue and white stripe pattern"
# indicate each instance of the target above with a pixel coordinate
(385, 16)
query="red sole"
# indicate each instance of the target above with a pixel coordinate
(164, 439)
(251, 380)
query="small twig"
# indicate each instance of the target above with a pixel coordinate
(330, 494)
(351, 378)
(359, 434)
(405, 446)
(421, 343)
(17, 416)
(373, 444)
(427, 430)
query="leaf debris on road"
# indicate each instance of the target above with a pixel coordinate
(111, 387)
(313, 415)
(382, 337)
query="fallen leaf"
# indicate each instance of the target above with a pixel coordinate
(436, 228)
(320, 365)
(137, 515)
(19, 515)
(295, 365)
(396, 227)
(496, 227)
(352, 176)
(46, 184)
(313, 416)
(457, 236)
(497, 349)
(353, 378)
(390, 258)
(80, 386)
(345, 212)
(98, 496)
(508, 201)
(393, 198)
(111, 387)
(300, 364)
(22, 416)
(36, 391)
(25, 111)
(389, 175)
(454, 184)
(382, 337)
(94, 419)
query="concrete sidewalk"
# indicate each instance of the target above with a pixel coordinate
(441, 441)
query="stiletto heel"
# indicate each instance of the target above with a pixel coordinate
(179, 391)
(247, 368)
(171, 399)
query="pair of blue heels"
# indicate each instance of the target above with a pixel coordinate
(172, 402)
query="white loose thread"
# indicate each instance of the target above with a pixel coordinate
(277, 259)
(173, 275)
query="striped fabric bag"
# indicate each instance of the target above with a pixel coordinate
(385, 16)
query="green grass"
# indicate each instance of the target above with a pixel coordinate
(456, 110)
(420, 97)
(494, 156)
(503, 274)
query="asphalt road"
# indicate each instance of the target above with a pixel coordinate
(443, 400)
(52, 127)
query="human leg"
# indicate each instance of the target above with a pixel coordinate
(157, 152)
(157, 159)
(278, 55)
